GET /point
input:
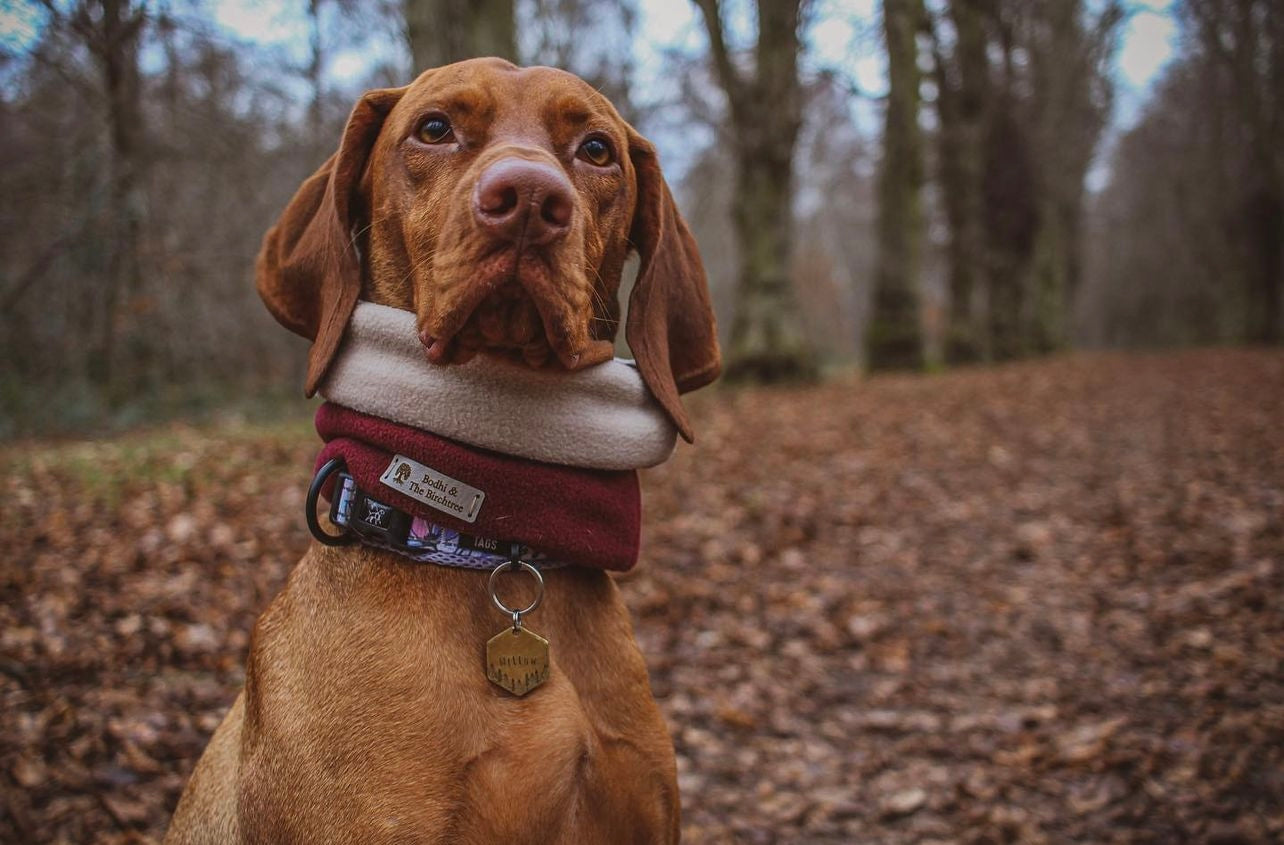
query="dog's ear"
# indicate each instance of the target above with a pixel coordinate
(671, 327)
(309, 270)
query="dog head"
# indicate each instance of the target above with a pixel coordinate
(499, 204)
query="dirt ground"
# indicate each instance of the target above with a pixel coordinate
(1037, 603)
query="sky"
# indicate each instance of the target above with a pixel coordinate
(843, 28)
(1149, 41)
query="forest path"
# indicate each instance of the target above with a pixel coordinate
(1038, 602)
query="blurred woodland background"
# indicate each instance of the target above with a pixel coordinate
(1030, 602)
(984, 205)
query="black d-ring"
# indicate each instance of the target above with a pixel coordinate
(310, 506)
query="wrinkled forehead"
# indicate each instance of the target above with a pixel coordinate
(508, 100)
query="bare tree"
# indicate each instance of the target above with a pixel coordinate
(894, 338)
(764, 114)
(110, 30)
(316, 66)
(1245, 39)
(834, 232)
(964, 104)
(1066, 109)
(1166, 257)
(131, 227)
(1023, 96)
(1188, 235)
(591, 38)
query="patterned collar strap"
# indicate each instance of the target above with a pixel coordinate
(384, 526)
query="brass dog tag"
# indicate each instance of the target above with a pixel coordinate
(517, 660)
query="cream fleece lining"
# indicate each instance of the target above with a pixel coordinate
(599, 418)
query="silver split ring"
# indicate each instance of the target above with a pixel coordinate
(505, 609)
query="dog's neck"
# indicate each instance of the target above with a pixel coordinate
(457, 465)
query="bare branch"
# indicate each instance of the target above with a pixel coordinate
(44, 260)
(727, 73)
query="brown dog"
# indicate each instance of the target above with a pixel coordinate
(499, 205)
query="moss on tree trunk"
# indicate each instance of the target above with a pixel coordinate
(767, 342)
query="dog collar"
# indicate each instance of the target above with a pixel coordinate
(363, 517)
(428, 498)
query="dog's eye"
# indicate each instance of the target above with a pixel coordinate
(596, 151)
(435, 130)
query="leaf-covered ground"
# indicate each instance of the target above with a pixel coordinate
(1040, 603)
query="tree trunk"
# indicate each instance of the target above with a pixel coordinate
(894, 337)
(1066, 109)
(1050, 283)
(316, 66)
(115, 45)
(1265, 234)
(1012, 222)
(767, 340)
(963, 107)
(1246, 39)
(445, 31)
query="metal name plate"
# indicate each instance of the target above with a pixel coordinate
(433, 488)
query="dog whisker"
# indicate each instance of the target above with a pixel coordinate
(415, 266)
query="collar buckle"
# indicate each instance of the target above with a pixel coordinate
(376, 520)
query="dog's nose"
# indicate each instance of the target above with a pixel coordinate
(517, 199)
